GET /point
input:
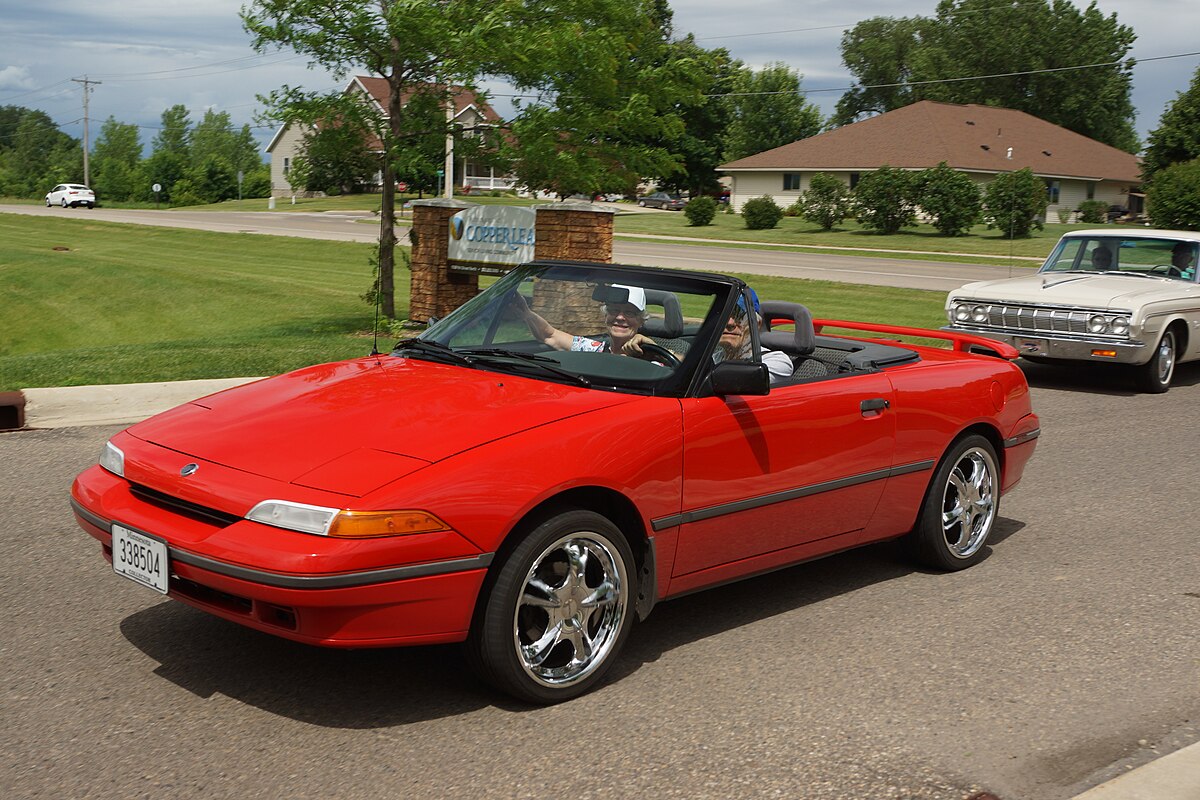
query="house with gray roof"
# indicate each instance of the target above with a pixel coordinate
(981, 141)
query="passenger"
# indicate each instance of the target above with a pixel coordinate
(1183, 260)
(736, 342)
(623, 319)
(1102, 259)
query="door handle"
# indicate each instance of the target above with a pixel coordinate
(874, 404)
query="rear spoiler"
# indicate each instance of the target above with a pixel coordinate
(963, 342)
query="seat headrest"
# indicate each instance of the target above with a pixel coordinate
(777, 312)
(671, 324)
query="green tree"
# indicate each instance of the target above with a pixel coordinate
(212, 136)
(878, 53)
(768, 111)
(826, 202)
(170, 155)
(41, 155)
(1014, 202)
(884, 200)
(1173, 199)
(1029, 47)
(1177, 137)
(335, 159)
(116, 161)
(951, 198)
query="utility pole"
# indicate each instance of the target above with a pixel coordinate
(87, 89)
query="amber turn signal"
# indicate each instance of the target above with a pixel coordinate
(367, 524)
(1105, 353)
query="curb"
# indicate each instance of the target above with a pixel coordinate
(1175, 776)
(114, 404)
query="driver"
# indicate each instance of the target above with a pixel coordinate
(623, 319)
(1183, 260)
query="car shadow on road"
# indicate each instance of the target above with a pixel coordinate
(381, 688)
(1116, 380)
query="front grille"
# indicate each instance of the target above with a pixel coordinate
(1037, 319)
(187, 508)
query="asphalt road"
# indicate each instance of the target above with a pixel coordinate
(906, 273)
(1066, 657)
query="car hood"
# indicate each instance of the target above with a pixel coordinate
(1076, 289)
(322, 425)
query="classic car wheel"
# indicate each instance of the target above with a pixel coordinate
(1155, 375)
(559, 610)
(960, 507)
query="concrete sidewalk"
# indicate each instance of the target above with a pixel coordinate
(118, 404)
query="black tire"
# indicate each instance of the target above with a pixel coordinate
(556, 616)
(64, 202)
(960, 507)
(1154, 377)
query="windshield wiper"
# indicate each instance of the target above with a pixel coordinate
(543, 363)
(434, 350)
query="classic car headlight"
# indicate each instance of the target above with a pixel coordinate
(1120, 325)
(343, 524)
(1098, 323)
(112, 459)
(961, 312)
(979, 313)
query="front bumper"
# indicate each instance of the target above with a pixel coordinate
(1063, 346)
(428, 601)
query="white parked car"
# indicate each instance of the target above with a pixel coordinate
(70, 194)
(1106, 295)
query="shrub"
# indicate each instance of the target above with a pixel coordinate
(794, 210)
(883, 200)
(761, 213)
(1173, 197)
(700, 211)
(1064, 214)
(1093, 211)
(826, 203)
(1014, 202)
(950, 198)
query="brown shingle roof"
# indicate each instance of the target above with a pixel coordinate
(463, 98)
(971, 138)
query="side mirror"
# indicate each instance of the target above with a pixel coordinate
(740, 377)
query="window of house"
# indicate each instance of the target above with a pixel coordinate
(791, 181)
(1091, 191)
(853, 180)
(287, 165)
(1052, 191)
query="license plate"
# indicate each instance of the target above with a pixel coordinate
(140, 558)
(1031, 346)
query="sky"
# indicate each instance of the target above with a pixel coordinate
(144, 56)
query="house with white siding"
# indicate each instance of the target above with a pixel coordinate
(471, 114)
(981, 141)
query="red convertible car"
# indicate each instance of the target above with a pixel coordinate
(540, 467)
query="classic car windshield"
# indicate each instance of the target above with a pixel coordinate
(1158, 257)
(583, 324)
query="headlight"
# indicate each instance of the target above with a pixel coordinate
(1120, 325)
(112, 459)
(979, 314)
(1098, 324)
(962, 312)
(344, 524)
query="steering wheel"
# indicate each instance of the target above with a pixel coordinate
(1170, 270)
(659, 352)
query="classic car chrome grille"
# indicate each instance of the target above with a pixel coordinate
(1037, 319)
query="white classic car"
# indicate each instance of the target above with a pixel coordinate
(1106, 295)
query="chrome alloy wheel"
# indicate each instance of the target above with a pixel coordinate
(969, 502)
(570, 611)
(1164, 358)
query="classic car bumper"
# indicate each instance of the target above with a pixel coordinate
(1066, 347)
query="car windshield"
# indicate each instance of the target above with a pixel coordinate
(1126, 255)
(572, 324)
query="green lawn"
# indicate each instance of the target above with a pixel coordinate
(128, 303)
